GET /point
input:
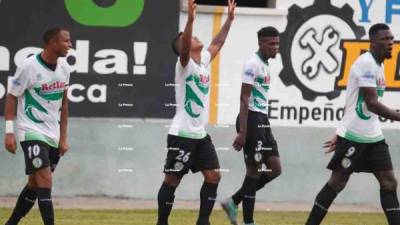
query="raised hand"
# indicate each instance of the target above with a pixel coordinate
(231, 9)
(191, 10)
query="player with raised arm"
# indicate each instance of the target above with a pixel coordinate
(189, 146)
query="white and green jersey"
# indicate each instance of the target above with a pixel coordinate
(192, 98)
(256, 72)
(359, 124)
(40, 92)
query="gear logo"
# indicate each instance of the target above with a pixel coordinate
(310, 47)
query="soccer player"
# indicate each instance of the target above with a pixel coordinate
(254, 132)
(359, 144)
(189, 146)
(39, 86)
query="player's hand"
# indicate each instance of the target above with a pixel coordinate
(63, 147)
(10, 143)
(231, 9)
(191, 10)
(330, 145)
(239, 141)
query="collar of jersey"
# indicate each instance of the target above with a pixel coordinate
(372, 55)
(258, 53)
(41, 62)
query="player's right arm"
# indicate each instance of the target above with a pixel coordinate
(243, 114)
(373, 104)
(16, 87)
(186, 38)
(9, 112)
(248, 77)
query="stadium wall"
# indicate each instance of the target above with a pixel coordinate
(124, 158)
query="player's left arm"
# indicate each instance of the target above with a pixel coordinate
(373, 104)
(63, 144)
(219, 40)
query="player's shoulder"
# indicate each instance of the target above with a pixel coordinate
(28, 62)
(62, 62)
(365, 63)
(251, 61)
(366, 60)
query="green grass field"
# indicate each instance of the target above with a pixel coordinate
(188, 217)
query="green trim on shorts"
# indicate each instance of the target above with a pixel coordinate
(33, 136)
(361, 139)
(192, 135)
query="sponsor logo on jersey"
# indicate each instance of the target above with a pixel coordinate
(249, 72)
(368, 76)
(204, 79)
(16, 82)
(55, 86)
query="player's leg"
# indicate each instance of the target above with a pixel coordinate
(208, 195)
(40, 160)
(206, 161)
(25, 202)
(380, 163)
(177, 164)
(166, 196)
(249, 188)
(50, 157)
(388, 194)
(43, 178)
(274, 170)
(325, 197)
(349, 157)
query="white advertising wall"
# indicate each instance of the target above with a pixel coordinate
(319, 42)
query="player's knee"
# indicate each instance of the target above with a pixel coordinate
(43, 178)
(337, 184)
(32, 182)
(253, 172)
(276, 172)
(213, 177)
(172, 180)
(389, 184)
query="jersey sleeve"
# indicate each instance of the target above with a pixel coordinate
(366, 76)
(20, 81)
(249, 73)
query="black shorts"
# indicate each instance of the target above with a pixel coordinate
(39, 155)
(360, 157)
(186, 153)
(260, 143)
